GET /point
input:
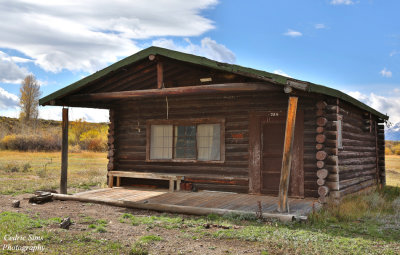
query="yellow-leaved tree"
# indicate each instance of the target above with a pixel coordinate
(29, 100)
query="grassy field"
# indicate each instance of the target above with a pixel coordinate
(25, 172)
(362, 224)
(393, 170)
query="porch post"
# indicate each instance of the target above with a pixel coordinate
(64, 152)
(287, 155)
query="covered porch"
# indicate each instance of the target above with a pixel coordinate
(197, 203)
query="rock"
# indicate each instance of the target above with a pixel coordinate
(66, 223)
(15, 203)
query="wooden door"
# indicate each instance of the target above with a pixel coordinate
(272, 134)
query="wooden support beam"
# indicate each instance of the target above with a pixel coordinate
(160, 75)
(170, 207)
(377, 157)
(189, 90)
(287, 155)
(64, 152)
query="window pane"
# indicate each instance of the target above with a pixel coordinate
(208, 142)
(161, 142)
(185, 142)
(339, 131)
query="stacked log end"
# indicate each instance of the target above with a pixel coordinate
(321, 155)
(110, 142)
(331, 161)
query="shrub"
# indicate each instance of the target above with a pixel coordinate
(395, 149)
(8, 142)
(11, 168)
(97, 144)
(74, 148)
(41, 172)
(37, 142)
(93, 140)
(396, 205)
(26, 167)
(76, 129)
(388, 151)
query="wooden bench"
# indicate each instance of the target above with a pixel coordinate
(158, 176)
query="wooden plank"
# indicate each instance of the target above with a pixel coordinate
(287, 154)
(171, 208)
(377, 157)
(254, 155)
(189, 90)
(160, 176)
(110, 180)
(160, 75)
(64, 152)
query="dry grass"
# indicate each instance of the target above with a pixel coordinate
(25, 172)
(393, 170)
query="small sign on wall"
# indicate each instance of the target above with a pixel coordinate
(237, 136)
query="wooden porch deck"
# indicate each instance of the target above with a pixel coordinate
(198, 203)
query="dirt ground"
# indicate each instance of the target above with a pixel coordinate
(173, 240)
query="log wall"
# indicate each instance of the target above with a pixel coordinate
(129, 136)
(355, 165)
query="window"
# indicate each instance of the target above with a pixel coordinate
(339, 134)
(161, 142)
(195, 140)
(185, 142)
(208, 141)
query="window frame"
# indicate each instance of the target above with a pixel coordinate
(185, 122)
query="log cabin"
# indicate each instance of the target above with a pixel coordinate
(215, 126)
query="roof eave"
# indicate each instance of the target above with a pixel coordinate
(262, 75)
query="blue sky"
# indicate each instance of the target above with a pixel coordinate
(349, 45)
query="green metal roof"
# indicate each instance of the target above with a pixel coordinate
(278, 79)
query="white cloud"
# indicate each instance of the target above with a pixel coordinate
(208, 48)
(8, 100)
(4, 56)
(87, 35)
(320, 26)
(89, 114)
(342, 2)
(293, 33)
(385, 105)
(10, 72)
(386, 73)
(394, 53)
(280, 72)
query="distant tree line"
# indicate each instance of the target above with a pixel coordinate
(392, 147)
(46, 136)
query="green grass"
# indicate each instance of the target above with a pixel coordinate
(153, 221)
(97, 225)
(362, 224)
(149, 239)
(17, 224)
(141, 247)
(26, 172)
